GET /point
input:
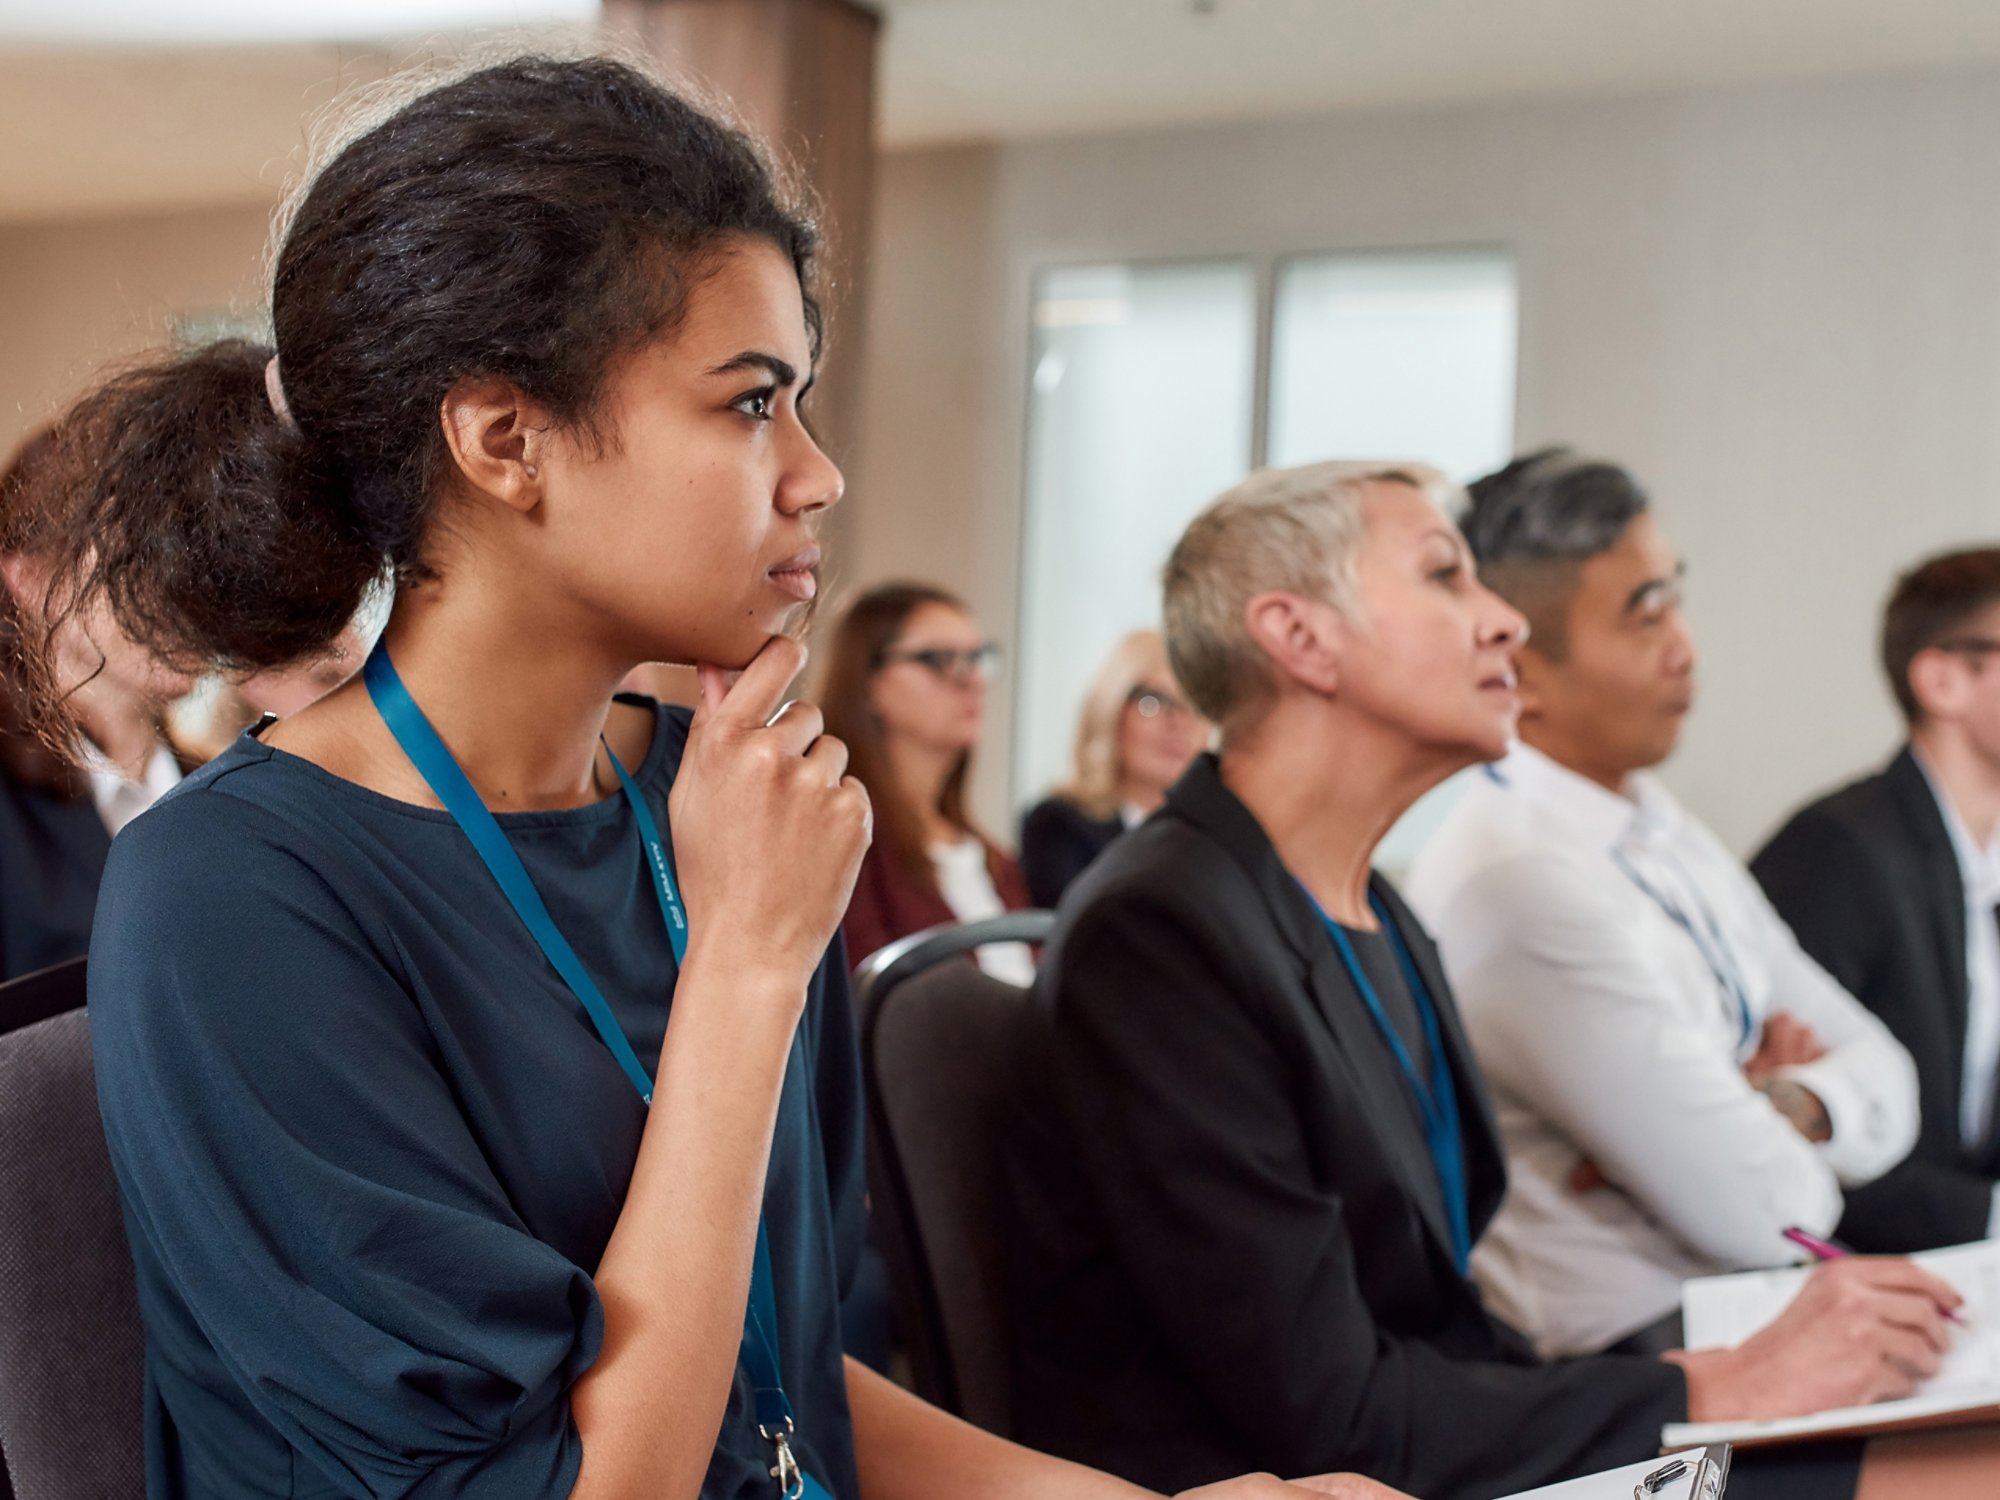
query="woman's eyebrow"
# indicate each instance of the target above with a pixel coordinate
(1451, 537)
(781, 372)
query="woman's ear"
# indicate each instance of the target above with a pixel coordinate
(497, 439)
(16, 573)
(28, 579)
(1302, 637)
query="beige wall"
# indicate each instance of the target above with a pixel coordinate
(927, 496)
(73, 296)
(1780, 304)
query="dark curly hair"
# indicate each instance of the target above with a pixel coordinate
(529, 222)
(25, 756)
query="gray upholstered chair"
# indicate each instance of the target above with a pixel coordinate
(938, 1039)
(71, 1347)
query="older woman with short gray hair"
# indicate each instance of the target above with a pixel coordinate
(1254, 1150)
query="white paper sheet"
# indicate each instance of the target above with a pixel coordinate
(1723, 1311)
(1618, 1484)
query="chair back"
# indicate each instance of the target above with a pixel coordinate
(938, 1043)
(44, 993)
(72, 1351)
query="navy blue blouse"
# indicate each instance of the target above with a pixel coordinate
(371, 1150)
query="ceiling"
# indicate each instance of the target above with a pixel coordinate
(236, 22)
(117, 106)
(1011, 68)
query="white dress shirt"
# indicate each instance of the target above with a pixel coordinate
(967, 887)
(1615, 967)
(120, 800)
(1979, 874)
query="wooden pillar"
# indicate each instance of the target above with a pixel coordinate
(801, 74)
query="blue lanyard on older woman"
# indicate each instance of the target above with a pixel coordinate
(1437, 1098)
(434, 762)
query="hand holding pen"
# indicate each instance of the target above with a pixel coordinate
(1862, 1329)
(1826, 1250)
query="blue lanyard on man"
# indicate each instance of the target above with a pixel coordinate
(1714, 949)
(1437, 1099)
(434, 762)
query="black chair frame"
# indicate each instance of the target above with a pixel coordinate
(919, 1311)
(42, 994)
(24, 1002)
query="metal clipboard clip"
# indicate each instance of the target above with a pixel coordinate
(1711, 1472)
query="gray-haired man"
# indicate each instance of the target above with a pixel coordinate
(1676, 1082)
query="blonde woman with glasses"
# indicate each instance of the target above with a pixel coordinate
(1138, 733)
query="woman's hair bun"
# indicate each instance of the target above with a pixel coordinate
(178, 495)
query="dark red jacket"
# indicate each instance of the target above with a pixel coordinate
(890, 903)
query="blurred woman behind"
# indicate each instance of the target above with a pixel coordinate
(58, 814)
(207, 720)
(1135, 737)
(906, 691)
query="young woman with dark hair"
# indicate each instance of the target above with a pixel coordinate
(905, 690)
(423, 1199)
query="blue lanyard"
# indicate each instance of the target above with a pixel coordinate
(434, 762)
(1717, 957)
(1437, 1102)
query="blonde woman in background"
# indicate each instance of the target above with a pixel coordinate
(1137, 734)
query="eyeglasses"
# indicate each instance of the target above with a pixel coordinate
(1152, 703)
(970, 664)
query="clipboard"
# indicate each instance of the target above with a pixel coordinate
(1696, 1474)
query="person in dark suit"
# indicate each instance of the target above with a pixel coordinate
(1891, 884)
(1059, 840)
(1251, 1150)
(1135, 736)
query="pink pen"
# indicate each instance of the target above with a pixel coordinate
(1820, 1249)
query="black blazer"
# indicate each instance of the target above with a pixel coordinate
(1868, 880)
(1230, 1247)
(1058, 841)
(52, 851)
